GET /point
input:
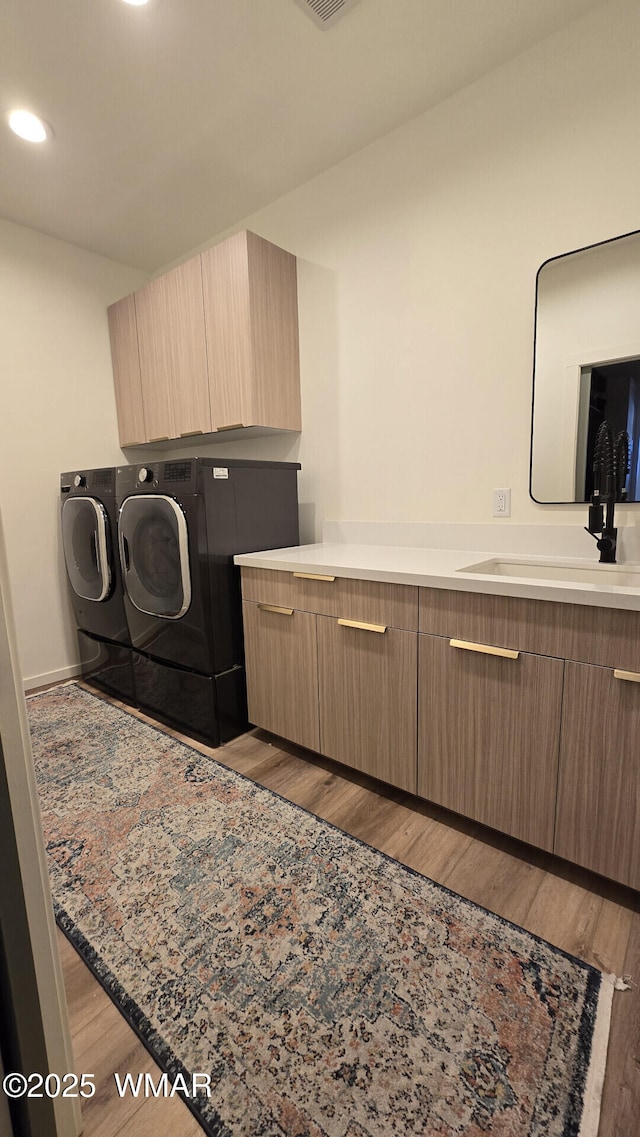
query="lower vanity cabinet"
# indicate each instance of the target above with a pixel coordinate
(598, 816)
(282, 671)
(331, 664)
(533, 731)
(367, 691)
(489, 723)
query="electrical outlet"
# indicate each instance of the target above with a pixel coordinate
(502, 503)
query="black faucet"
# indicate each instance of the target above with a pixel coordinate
(610, 470)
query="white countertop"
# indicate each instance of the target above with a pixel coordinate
(441, 568)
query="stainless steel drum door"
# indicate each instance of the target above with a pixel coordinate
(85, 540)
(154, 554)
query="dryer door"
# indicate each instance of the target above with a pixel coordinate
(154, 553)
(85, 540)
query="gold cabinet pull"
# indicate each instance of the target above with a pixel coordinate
(274, 608)
(190, 433)
(485, 649)
(363, 627)
(160, 438)
(231, 426)
(312, 576)
(630, 676)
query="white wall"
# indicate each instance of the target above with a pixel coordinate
(418, 259)
(57, 413)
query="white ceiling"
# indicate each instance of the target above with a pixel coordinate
(176, 120)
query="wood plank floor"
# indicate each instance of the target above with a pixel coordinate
(583, 914)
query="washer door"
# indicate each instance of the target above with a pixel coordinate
(85, 541)
(154, 554)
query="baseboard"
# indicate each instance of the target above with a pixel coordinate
(48, 678)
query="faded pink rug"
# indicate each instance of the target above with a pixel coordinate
(327, 990)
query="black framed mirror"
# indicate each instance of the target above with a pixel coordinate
(586, 366)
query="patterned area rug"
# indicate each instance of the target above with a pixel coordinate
(327, 990)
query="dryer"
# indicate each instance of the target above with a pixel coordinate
(180, 522)
(88, 519)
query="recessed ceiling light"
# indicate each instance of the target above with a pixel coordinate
(29, 126)
(136, 2)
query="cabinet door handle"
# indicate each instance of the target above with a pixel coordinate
(630, 676)
(160, 438)
(276, 609)
(190, 433)
(231, 426)
(363, 627)
(312, 576)
(485, 649)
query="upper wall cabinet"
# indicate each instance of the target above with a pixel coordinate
(126, 371)
(211, 345)
(251, 322)
(173, 354)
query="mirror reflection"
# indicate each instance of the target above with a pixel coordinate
(586, 367)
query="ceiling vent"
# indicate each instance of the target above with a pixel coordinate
(326, 13)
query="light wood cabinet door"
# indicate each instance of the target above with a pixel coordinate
(606, 637)
(251, 319)
(282, 672)
(377, 602)
(173, 354)
(210, 345)
(598, 817)
(123, 333)
(488, 736)
(367, 684)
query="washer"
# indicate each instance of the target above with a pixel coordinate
(88, 519)
(180, 522)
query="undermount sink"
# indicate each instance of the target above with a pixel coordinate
(617, 576)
